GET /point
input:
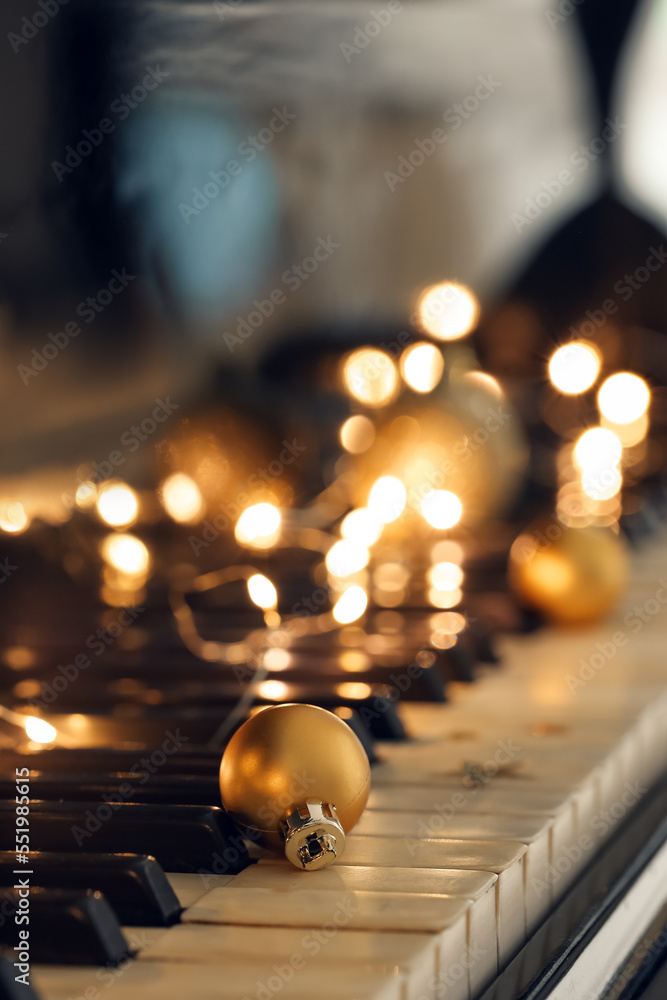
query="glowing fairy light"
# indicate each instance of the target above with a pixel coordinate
(85, 495)
(350, 605)
(442, 509)
(182, 499)
(623, 398)
(361, 527)
(370, 376)
(346, 557)
(387, 499)
(39, 730)
(126, 553)
(422, 366)
(258, 526)
(602, 486)
(447, 311)
(117, 505)
(597, 450)
(273, 690)
(445, 576)
(574, 367)
(262, 592)
(13, 518)
(353, 690)
(357, 434)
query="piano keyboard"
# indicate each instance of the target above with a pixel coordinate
(477, 825)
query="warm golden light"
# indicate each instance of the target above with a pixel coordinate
(357, 434)
(360, 526)
(447, 311)
(277, 658)
(182, 499)
(597, 450)
(445, 576)
(448, 621)
(387, 499)
(353, 690)
(13, 517)
(447, 551)
(350, 605)
(482, 380)
(272, 690)
(441, 509)
(624, 397)
(574, 367)
(258, 526)
(628, 434)
(126, 553)
(370, 376)
(262, 592)
(445, 598)
(39, 730)
(422, 366)
(117, 504)
(346, 557)
(85, 495)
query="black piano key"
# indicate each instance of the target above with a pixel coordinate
(161, 789)
(194, 761)
(67, 928)
(181, 838)
(352, 718)
(10, 989)
(135, 886)
(380, 715)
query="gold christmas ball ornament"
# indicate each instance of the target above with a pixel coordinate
(296, 779)
(572, 575)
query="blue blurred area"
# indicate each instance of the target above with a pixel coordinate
(203, 203)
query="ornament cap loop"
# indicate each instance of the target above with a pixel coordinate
(313, 835)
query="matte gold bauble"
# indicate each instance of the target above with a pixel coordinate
(572, 575)
(297, 779)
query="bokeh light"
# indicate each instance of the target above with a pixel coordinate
(13, 518)
(447, 311)
(597, 450)
(126, 553)
(117, 505)
(387, 499)
(370, 376)
(422, 366)
(262, 592)
(624, 397)
(361, 526)
(346, 557)
(350, 605)
(574, 367)
(442, 509)
(445, 576)
(182, 499)
(39, 730)
(258, 526)
(357, 434)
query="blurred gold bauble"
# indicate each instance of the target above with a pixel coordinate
(572, 575)
(297, 779)
(464, 437)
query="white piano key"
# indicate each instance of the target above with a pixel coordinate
(239, 981)
(415, 955)
(477, 887)
(506, 860)
(331, 910)
(532, 830)
(191, 887)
